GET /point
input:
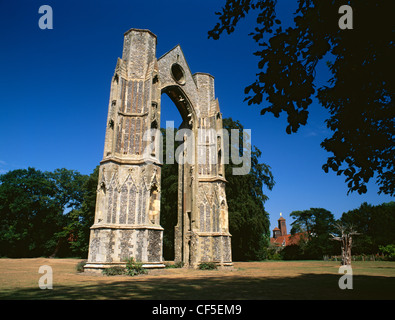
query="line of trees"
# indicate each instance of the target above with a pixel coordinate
(46, 213)
(374, 225)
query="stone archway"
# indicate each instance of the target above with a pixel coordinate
(127, 208)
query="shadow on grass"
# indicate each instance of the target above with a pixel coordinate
(306, 286)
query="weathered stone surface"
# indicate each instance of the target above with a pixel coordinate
(128, 195)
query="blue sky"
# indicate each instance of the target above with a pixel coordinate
(55, 85)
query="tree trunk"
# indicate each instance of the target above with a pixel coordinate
(346, 250)
(58, 245)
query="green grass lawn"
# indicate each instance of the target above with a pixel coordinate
(248, 280)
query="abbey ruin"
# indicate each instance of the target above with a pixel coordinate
(127, 217)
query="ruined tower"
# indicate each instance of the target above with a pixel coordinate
(127, 217)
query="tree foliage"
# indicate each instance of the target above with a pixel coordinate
(359, 95)
(248, 220)
(33, 210)
(82, 218)
(372, 226)
(317, 224)
(375, 225)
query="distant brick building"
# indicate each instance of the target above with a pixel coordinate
(281, 238)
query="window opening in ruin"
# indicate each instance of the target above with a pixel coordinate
(169, 180)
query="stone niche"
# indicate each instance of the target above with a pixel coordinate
(127, 217)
